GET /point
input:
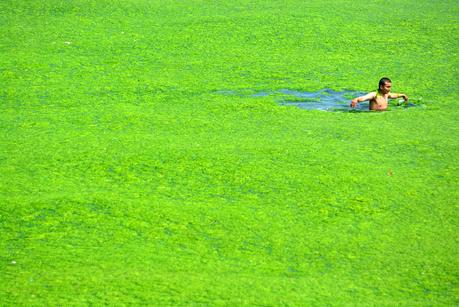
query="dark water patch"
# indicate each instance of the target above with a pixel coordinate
(323, 100)
(261, 94)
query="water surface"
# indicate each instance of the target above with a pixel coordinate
(323, 100)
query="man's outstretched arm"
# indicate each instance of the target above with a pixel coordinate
(366, 97)
(395, 96)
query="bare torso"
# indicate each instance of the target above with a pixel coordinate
(379, 102)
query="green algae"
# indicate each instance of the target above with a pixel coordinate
(126, 179)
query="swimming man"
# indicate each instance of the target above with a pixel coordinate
(379, 99)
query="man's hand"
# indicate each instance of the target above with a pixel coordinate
(353, 103)
(404, 97)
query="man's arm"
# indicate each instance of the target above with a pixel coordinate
(395, 96)
(366, 97)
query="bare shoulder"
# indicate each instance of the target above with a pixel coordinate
(369, 96)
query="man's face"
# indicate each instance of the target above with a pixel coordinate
(386, 87)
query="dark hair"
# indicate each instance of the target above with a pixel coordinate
(383, 81)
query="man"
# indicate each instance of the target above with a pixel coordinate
(379, 99)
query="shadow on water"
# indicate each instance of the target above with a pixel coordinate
(323, 100)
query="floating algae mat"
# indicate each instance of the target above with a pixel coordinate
(324, 100)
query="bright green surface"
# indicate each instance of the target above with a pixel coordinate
(125, 177)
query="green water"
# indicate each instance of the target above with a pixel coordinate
(325, 100)
(126, 178)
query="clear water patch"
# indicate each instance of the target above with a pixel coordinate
(323, 100)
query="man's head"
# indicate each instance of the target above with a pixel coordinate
(384, 85)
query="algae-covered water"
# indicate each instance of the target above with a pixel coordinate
(324, 100)
(152, 153)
